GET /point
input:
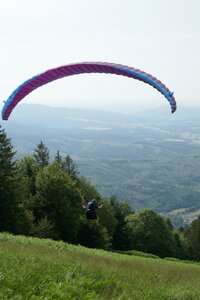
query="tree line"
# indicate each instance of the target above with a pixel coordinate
(43, 198)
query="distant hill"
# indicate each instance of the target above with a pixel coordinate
(105, 135)
(150, 159)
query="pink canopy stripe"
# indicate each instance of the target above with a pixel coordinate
(79, 68)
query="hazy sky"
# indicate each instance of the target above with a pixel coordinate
(159, 37)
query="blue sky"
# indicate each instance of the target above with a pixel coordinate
(159, 37)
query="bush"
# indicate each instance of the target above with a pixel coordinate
(138, 253)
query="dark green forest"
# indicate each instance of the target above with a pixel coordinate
(44, 198)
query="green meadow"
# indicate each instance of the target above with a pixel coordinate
(32, 268)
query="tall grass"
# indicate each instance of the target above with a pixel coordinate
(33, 268)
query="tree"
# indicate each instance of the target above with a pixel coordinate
(68, 165)
(107, 218)
(58, 158)
(27, 171)
(121, 236)
(150, 233)
(58, 199)
(93, 236)
(88, 191)
(182, 249)
(192, 233)
(11, 215)
(41, 155)
(42, 229)
(7, 165)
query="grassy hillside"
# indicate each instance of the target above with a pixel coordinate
(33, 268)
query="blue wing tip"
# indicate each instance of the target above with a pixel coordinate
(3, 110)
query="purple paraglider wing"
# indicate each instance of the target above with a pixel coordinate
(79, 68)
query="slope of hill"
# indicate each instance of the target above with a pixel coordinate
(160, 184)
(32, 268)
(150, 159)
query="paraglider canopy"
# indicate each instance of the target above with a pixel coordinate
(79, 68)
